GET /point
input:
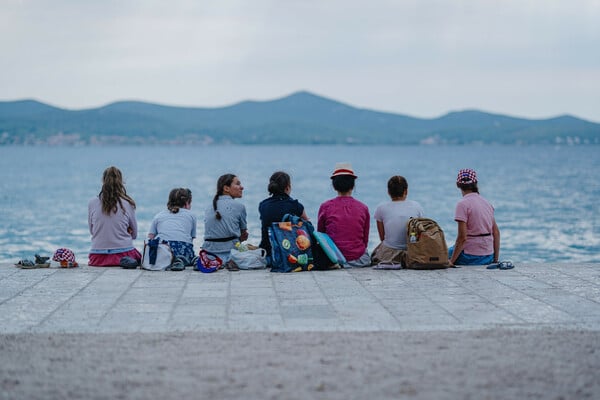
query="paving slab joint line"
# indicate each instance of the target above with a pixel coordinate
(279, 309)
(140, 273)
(573, 277)
(554, 307)
(366, 289)
(51, 313)
(178, 300)
(324, 294)
(28, 287)
(478, 294)
(228, 302)
(561, 272)
(439, 274)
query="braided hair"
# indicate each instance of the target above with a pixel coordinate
(224, 180)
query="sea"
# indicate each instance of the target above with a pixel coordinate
(546, 197)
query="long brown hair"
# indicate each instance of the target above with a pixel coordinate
(224, 180)
(113, 190)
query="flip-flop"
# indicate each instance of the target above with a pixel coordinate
(506, 265)
(388, 266)
(493, 266)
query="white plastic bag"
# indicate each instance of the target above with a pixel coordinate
(249, 259)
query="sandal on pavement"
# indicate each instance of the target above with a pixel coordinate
(501, 265)
(178, 265)
(388, 266)
(25, 264)
(231, 266)
(41, 262)
(506, 265)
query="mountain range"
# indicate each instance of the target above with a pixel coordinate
(300, 118)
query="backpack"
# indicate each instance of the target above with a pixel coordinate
(426, 245)
(157, 256)
(291, 245)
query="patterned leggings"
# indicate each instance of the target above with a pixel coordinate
(183, 251)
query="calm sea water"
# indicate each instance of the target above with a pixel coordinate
(546, 197)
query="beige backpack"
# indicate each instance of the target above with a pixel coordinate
(426, 245)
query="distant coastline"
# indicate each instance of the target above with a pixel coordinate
(301, 118)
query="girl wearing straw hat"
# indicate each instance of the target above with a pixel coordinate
(345, 219)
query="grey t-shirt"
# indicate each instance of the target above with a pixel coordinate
(231, 224)
(395, 216)
(180, 226)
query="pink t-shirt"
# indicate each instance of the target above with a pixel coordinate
(346, 220)
(478, 214)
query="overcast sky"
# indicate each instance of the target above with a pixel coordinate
(424, 58)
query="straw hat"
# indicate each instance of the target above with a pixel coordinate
(343, 168)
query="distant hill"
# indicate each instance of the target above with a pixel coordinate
(301, 118)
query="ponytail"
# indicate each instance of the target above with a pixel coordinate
(224, 180)
(178, 198)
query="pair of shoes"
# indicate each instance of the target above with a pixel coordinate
(178, 265)
(40, 262)
(501, 265)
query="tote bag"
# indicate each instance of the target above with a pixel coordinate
(157, 256)
(291, 245)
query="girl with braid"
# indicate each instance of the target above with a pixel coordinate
(225, 219)
(112, 222)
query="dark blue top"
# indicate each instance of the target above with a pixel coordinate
(272, 210)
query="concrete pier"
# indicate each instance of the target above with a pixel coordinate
(529, 332)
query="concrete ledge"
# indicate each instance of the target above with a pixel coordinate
(113, 300)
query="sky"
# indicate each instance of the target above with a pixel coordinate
(423, 58)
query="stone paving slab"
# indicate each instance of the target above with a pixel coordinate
(112, 300)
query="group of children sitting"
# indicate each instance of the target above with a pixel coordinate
(113, 225)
